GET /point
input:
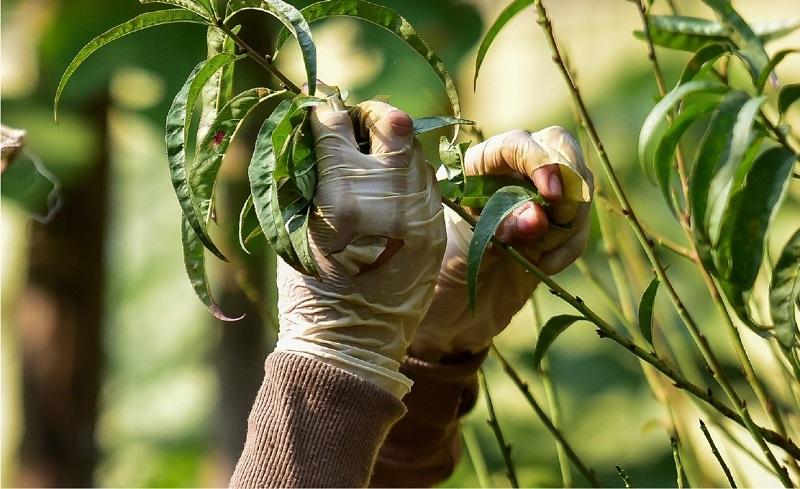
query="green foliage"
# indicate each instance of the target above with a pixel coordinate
(508, 13)
(646, 310)
(784, 292)
(787, 96)
(550, 331)
(427, 124)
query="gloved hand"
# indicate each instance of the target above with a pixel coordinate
(377, 234)
(552, 160)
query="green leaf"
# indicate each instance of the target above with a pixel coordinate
(784, 292)
(219, 89)
(294, 21)
(787, 96)
(208, 69)
(391, 21)
(742, 137)
(711, 153)
(297, 226)
(664, 155)
(246, 209)
(143, 21)
(194, 261)
(175, 138)
(646, 310)
(211, 150)
(742, 35)
(499, 206)
(28, 182)
(203, 11)
(647, 135)
(427, 124)
(506, 15)
(773, 62)
(758, 190)
(706, 54)
(478, 189)
(550, 331)
(692, 33)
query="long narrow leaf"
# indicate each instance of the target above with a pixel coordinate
(208, 70)
(143, 21)
(191, 5)
(705, 55)
(294, 21)
(784, 292)
(550, 331)
(773, 62)
(659, 113)
(664, 155)
(787, 96)
(499, 206)
(646, 310)
(175, 138)
(391, 21)
(219, 89)
(427, 124)
(742, 35)
(710, 155)
(506, 15)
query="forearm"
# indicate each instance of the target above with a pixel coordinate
(423, 448)
(313, 425)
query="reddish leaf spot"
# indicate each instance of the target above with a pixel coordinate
(218, 137)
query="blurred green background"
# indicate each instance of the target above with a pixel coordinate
(112, 372)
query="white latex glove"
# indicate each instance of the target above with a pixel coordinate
(377, 234)
(552, 160)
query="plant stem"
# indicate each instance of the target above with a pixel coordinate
(716, 453)
(678, 464)
(264, 62)
(548, 423)
(505, 448)
(552, 398)
(701, 341)
(475, 456)
(612, 304)
(607, 331)
(624, 476)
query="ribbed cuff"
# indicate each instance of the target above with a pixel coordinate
(423, 448)
(313, 425)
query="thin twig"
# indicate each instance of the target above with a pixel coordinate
(705, 348)
(548, 423)
(475, 456)
(607, 331)
(552, 398)
(265, 63)
(624, 476)
(505, 448)
(716, 453)
(680, 475)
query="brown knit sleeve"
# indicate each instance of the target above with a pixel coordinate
(313, 425)
(422, 449)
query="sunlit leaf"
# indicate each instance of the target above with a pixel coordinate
(692, 33)
(203, 10)
(515, 7)
(784, 292)
(705, 55)
(646, 310)
(773, 62)
(208, 70)
(757, 192)
(550, 331)
(787, 96)
(219, 89)
(478, 189)
(710, 155)
(742, 137)
(664, 156)
(393, 22)
(742, 35)
(294, 22)
(427, 124)
(657, 116)
(498, 207)
(243, 213)
(143, 21)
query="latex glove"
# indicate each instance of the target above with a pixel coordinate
(552, 160)
(377, 234)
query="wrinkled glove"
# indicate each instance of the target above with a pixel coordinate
(377, 234)
(552, 238)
